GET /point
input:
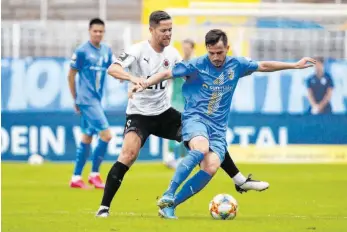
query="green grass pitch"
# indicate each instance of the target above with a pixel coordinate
(300, 198)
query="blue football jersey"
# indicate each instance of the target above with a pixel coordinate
(91, 63)
(208, 90)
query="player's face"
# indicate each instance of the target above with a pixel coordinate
(96, 32)
(162, 32)
(187, 49)
(319, 68)
(217, 53)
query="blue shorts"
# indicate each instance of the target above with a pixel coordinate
(193, 127)
(93, 119)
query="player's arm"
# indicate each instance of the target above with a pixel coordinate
(181, 69)
(272, 66)
(328, 94)
(326, 99)
(123, 61)
(311, 99)
(310, 95)
(153, 80)
(117, 71)
(158, 77)
(76, 64)
(71, 79)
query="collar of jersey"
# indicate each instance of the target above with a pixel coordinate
(90, 44)
(214, 67)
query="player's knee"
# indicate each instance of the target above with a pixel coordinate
(210, 164)
(200, 144)
(128, 156)
(211, 168)
(106, 135)
(203, 150)
(86, 139)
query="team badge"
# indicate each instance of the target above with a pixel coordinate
(231, 74)
(323, 81)
(166, 63)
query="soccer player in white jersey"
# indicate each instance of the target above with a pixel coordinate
(149, 112)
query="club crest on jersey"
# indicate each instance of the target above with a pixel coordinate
(231, 74)
(166, 63)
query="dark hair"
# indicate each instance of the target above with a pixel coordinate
(96, 21)
(319, 59)
(214, 36)
(157, 16)
(189, 41)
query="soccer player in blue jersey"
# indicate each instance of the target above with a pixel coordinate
(210, 83)
(90, 61)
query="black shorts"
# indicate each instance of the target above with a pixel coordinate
(166, 125)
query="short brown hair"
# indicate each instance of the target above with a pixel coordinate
(189, 41)
(320, 59)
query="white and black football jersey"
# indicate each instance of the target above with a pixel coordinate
(143, 61)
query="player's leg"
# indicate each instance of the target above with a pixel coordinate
(135, 135)
(199, 147)
(195, 133)
(242, 184)
(100, 124)
(82, 151)
(98, 156)
(169, 127)
(195, 184)
(169, 157)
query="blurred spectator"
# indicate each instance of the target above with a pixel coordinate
(177, 101)
(188, 47)
(320, 86)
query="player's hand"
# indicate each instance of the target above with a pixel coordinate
(136, 80)
(134, 89)
(77, 109)
(305, 63)
(320, 108)
(137, 88)
(144, 83)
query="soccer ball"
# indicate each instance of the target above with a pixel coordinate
(223, 207)
(35, 159)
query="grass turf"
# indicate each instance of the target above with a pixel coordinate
(300, 198)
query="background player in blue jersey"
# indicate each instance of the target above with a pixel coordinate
(320, 88)
(91, 61)
(210, 83)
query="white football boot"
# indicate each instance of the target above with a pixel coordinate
(252, 185)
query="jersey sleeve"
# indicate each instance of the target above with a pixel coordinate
(247, 66)
(126, 58)
(330, 81)
(111, 57)
(77, 59)
(183, 69)
(308, 82)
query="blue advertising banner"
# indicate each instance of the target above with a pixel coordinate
(54, 135)
(40, 84)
